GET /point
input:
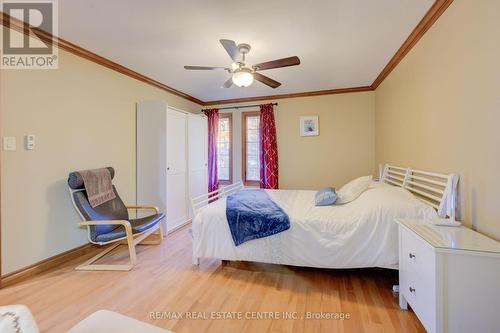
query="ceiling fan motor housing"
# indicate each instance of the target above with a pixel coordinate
(244, 48)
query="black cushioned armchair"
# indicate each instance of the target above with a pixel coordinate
(110, 223)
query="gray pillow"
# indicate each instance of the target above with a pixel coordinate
(325, 197)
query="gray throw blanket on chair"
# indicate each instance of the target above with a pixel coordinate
(98, 186)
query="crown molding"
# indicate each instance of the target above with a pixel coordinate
(423, 26)
(9, 21)
(427, 21)
(281, 96)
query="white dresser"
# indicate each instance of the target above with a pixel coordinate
(450, 277)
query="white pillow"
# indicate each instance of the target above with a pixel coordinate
(353, 189)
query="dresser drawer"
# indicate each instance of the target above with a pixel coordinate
(418, 277)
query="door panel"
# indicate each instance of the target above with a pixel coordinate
(176, 203)
(197, 183)
(198, 156)
(177, 212)
(176, 142)
(197, 129)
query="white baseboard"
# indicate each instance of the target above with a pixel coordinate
(169, 231)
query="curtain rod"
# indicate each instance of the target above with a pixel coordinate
(242, 106)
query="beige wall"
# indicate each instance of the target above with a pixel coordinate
(83, 116)
(343, 150)
(440, 108)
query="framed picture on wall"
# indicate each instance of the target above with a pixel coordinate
(309, 126)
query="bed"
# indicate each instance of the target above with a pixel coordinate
(358, 234)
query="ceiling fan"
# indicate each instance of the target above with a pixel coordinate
(243, 74)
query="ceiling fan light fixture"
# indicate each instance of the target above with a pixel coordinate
(234, 66)
(243, 77)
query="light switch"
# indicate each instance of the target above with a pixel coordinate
(9, 143)
(29, 141)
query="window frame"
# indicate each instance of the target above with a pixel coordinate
(230, 117)
(244, 116)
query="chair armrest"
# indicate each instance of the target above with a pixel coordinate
(98, 222)
(125, 223)
(144, 207)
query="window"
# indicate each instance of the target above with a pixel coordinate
(250, 145)
(224, 149)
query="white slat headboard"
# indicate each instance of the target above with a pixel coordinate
(435, 189)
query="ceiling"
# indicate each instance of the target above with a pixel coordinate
(341, 43)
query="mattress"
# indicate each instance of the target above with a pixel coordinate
(362, 233)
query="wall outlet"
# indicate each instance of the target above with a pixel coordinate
(9, 143)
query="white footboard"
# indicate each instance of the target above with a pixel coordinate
(199, 202)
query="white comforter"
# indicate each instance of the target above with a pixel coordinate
(361, 233)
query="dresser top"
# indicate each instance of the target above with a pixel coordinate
(451, 238)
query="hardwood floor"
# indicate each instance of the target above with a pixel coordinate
(165, 281)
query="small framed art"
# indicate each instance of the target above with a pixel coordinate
(309, 126)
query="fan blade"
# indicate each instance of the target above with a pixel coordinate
(266, 80)
(228, 83)
(231, 48)
(285, 62)
(205, 68)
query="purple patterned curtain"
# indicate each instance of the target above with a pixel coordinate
(268, 148)
(213, 126)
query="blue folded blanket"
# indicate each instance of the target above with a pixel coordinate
(252, 214)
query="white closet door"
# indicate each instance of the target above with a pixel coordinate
(198, 156)
(177, 213)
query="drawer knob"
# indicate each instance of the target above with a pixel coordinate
(412, 290)
(411, 255)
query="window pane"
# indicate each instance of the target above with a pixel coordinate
(253, 174)
(252, 148)
(223, 161)
(253, 161)
(223, 173)
(223, 124)
(253, 123)
(252, 135)
(223, 148)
